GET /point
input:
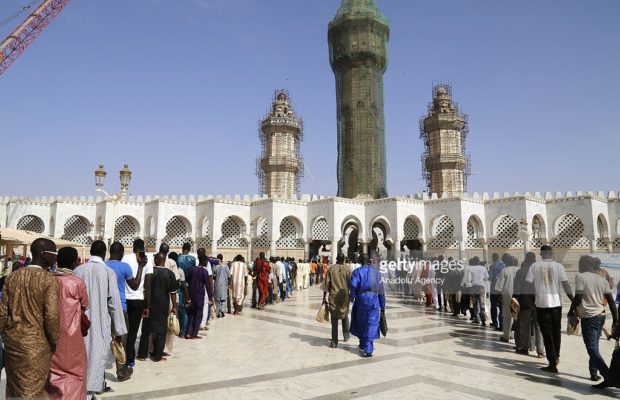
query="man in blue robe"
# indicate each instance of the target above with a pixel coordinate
(366, 294)
(184, 262)
(289, 286)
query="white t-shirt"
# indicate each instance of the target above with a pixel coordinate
(280, 271)
(477, 275)
(547, 277)
(131, 259)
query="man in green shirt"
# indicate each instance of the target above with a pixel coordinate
(336, 283)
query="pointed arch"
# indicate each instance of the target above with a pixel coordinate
(31, 223)
(77, 228)
(506, 233)
(233, 232)
(126, 230)
(178, 231)
(412, 228)
(568, 230)
(442, 231)
(475, 232)
(291, 234)
(320, 229)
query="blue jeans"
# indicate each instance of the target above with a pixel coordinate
(182, 314)
(591, 329)
(497, 313)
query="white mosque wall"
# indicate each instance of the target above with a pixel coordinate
(471, 224)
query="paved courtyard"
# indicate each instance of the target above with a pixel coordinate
(282, 353)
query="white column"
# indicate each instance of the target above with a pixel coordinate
(461, 249)
(392, 254)
(249, 239)
(526, 245)
(272, 248)
(213, 247)
(306, 250)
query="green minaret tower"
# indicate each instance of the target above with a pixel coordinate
(358, 37)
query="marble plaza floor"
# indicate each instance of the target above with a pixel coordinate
(282, 353)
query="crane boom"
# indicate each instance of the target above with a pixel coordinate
(15, 44)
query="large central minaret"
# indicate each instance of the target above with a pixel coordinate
(358, 37)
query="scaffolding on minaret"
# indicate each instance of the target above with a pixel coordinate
(358, 41)
(280, 166)
(445, 166)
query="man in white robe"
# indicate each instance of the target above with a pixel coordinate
(105, 314)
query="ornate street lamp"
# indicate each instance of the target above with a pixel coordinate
(100, 175)
(125, 177)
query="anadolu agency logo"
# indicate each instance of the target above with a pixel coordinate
(406, 271)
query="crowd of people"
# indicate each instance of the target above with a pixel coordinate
(59, 317)
(525, 302)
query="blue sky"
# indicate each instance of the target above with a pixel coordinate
(176, 88)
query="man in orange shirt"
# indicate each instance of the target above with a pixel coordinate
(312, 272)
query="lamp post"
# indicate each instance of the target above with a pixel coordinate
(125, 178)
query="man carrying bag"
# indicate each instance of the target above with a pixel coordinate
(336, 284)
(591, 291)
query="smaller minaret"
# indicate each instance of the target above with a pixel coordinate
(280, 167)
(444, 163)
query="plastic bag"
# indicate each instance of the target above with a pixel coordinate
(173, 325)
(118, 351)
(323, 315)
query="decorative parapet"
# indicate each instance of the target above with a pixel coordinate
(404, 199)
(418, 198)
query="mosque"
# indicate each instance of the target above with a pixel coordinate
(362, 217)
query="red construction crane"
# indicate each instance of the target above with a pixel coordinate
(15, 44)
